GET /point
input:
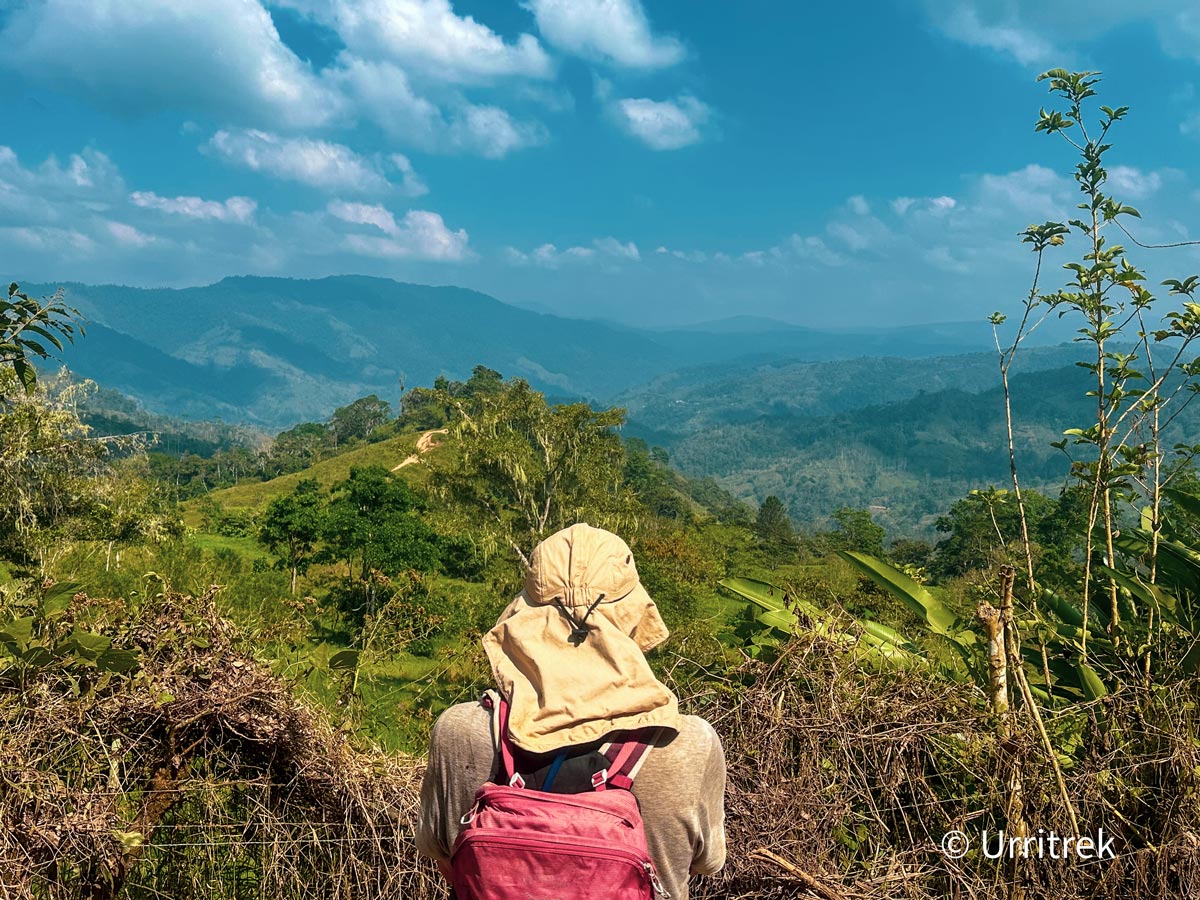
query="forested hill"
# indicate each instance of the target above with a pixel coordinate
(275, 351)
(908, 459)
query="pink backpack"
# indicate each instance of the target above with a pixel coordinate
(519, 843)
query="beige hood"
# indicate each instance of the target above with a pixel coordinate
(568, 652)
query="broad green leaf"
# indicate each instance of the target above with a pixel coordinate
(1190, 663)
(86, 643)
(760, 593)
(344, 659)
(1091, 683)
(1189, 503)
(936, 614)
(781, 619)
(18, 632)
(117, 661)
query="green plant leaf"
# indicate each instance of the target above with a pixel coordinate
(940, 618)
(117, 661)
(345, 659)
(1092, 684)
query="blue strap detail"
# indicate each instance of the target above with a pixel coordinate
(554, 767)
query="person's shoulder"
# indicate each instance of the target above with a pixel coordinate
(699, 730)
(460, 720)
(696, 740)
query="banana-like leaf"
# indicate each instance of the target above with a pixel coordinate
(781, 619)
(1092, 684)
(1190, 663)
(887, 635)
(1165, 604)
(939, 617)
(1065, 610)
(760, 593)
(1189, 503)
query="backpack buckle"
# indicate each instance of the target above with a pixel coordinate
(599, 779)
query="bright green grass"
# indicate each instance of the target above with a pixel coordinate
(256, 495)
(242, 546)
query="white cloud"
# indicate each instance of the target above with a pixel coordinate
(548, 256)
(411, 184)
(384, 93)
(490, 132)
(364, 214)
(222, 57)
(1025, 45)
(428, 38)
(663, 124)
(235, 209)
(935, 205)
(612, 31)
(402, 66)
(1133, 184)
(420, 235)
(858, 205)
(128, 235)
(610, 246)
(1034, 32)
(812, 248)
(319, 164)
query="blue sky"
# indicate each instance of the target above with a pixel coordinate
(649, 162)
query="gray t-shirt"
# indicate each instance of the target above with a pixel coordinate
(680, 788)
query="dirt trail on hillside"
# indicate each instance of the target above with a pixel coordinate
(425, 443)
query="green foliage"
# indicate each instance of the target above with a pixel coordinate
(32, 328)
(292, 526)
(522, 469)
(773, 526)
(49, 642)
(856, 530)
(372, 522)
(357, 420)
(983, 531)
(1117, 454)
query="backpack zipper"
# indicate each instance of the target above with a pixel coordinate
(500, 838)
(560, 798)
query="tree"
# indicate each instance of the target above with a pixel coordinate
(856, 530)
(1139, 356)
(773, 527)
(49, 462)
(293, 525)
(984, 530)
(128, 508)
(298, 448)
(522, 469)
(358, 419)
(372, 520)
(30, 327)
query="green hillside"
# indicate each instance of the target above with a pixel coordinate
(253, 496)
(908, 460)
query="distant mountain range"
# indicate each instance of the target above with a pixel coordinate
(274, 351)
(906, 438)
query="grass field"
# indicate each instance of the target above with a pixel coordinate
(255, 495)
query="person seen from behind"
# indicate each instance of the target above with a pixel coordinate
(577, 776)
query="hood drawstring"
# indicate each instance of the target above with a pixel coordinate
(579, 629)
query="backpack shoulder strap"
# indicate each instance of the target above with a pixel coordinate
(625, 758)
(624, 762)
(493, 701)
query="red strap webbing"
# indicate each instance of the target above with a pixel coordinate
(624, 759)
